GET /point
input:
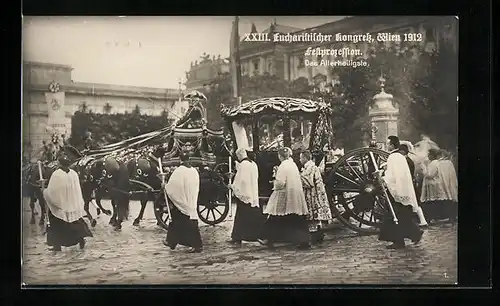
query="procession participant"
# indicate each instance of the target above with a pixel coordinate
(401, 193)
(433, 194)
(248, 220)
(89, 143)
(316, 198)
(252, 157)
(287, 208)
(48, 152)
(336, 153)
(65, 202)
(298, 144)
(440, 187)
(403, 149)
(448, 177)
(182, 190)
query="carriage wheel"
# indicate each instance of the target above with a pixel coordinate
(356, 198)
(161, 211)
(214, 210)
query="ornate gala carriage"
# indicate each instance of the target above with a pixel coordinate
(142, 153)
(261, 126)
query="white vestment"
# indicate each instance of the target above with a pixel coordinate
(448, 177)
(398, 180)
(64, 196)
(182, 189)
(288, 195)
(246, 183)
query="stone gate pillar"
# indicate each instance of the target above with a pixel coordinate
(56, 111)
(384, 117)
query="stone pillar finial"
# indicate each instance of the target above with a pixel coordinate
(382, 83)
(383, 115)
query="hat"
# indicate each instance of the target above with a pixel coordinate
(64, 161)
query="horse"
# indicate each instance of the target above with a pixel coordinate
(31, 176)
(144, 169)
(91, 187)
(33, 189)
(111, 175)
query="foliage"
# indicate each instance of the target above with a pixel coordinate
(423, 84)
(110, 128)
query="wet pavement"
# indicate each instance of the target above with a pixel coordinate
(136, 255)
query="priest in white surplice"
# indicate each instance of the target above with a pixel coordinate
(287, 207)
(65, 202)
(248, 220)
(399, 183)
(182, 190)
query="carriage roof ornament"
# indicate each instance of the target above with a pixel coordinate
(195, 95)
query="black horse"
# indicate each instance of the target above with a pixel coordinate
(110, 176)
(31, 175)
(143, 172)
(33, 189)
(91, 187)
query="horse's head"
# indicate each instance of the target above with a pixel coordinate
(141, 168)
(103, 169)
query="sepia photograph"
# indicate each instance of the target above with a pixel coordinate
(245, 150)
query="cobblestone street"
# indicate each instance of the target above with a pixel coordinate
(136, 255)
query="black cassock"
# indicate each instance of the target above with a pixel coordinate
(183, 230)
(62, 233)
(406, 227)
(248, 222)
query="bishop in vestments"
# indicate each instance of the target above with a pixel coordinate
(287, 208)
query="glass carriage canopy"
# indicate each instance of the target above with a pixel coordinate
(268, 132)
(267, 124)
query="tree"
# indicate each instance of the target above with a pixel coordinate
(424, 86)
(110, 128)
(437, 112)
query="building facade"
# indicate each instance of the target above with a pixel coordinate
(287, 60)
(50, 98)
(202, 72)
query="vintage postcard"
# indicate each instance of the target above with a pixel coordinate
(240, 150)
